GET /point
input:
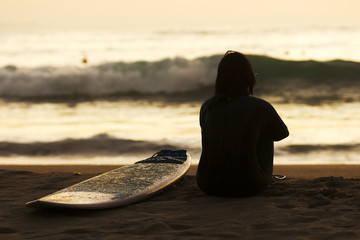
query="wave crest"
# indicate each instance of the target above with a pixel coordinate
(302, 81)
(166, 76)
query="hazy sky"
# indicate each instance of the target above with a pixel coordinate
(99, 13)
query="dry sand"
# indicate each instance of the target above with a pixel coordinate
(315, 202)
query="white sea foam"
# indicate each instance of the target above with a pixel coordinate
(168, 76)
(179, 75)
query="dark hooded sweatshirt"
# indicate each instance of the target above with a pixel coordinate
(237, 145)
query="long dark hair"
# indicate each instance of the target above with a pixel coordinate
(235, 76)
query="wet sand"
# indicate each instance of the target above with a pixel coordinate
(314, 202)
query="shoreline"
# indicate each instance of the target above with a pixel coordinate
(291, 171)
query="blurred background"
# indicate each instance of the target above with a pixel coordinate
(113, 81)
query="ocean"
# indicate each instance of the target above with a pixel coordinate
(115, 96)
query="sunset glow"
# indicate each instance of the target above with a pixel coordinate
(114, 13)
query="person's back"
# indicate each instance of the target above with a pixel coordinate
(237, 144)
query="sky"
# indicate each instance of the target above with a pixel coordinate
(115, 13)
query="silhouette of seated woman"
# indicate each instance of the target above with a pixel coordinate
(238, 133)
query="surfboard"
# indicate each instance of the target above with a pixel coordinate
(122, 186)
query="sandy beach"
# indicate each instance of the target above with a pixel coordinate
(314, 202)
(90, 86)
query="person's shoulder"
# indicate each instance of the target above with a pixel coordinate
(255, 101)
(265, 106)
(259, 103)
(208, 102)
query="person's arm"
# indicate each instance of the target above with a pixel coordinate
(202, 114)
(275, 124)
(204, 109)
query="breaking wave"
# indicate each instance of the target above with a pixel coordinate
(288, 79)
(166, 76)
